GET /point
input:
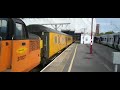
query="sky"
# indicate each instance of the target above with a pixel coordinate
(109, 24)
(76, 24)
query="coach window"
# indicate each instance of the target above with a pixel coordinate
(58, 39)
(101, 39)
(116, 39)
(66, 39)
(20, 32)
(3, 29)
(55, 40)
(63, 40)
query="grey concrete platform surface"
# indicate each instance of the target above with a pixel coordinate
(86, 62)
(58, 64)
(77, 58)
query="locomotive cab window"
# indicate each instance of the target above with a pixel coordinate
(20, 32)
(3, 29)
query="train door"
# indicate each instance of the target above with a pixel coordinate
(5, 45)
(20, 50)
(114, 38)
(46, 45)
(59, 44)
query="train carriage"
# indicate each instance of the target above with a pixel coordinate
(117, 41)
(53, 41)
(112, 40)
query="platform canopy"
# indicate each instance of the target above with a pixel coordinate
(76, 24)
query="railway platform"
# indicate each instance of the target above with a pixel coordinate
(77, 58)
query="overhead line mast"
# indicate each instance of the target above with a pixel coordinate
(57, 25)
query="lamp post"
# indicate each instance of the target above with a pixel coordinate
(91, 36)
